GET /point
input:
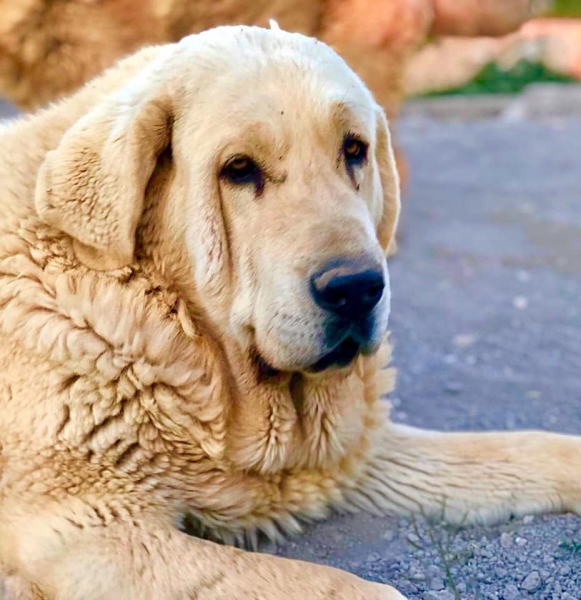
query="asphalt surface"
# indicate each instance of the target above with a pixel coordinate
(486, 321)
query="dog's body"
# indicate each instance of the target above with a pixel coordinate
(167, 357)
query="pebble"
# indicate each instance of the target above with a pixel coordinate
(463, 340)
(441, 595)
(532, 582)
(388, 535)
(511, 592)
(436, 583)
(373, 558)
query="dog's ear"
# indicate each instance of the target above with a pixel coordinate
(92, 185)
(389, 180)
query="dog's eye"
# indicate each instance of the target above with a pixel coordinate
(354, 151)
(241, 170)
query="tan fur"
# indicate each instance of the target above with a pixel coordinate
(137, 287)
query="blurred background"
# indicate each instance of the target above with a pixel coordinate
(484, 97)
(446, 47)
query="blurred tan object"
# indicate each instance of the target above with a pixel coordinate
(481, 17)
(49, 48)
(450, 62)
(559, 43)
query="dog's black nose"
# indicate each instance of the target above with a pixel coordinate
(348, 288)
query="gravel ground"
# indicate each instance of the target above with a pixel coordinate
(487, 325)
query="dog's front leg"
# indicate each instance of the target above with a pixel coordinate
(154, 561)
(470, 477)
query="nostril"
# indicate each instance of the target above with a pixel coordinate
(347, 289)
(373, 294)
(335, 296)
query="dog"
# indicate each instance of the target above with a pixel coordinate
(194, 304)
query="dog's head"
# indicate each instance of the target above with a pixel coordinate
(254, 169)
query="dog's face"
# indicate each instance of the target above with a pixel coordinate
(277, 201)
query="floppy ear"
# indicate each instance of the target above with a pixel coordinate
(92, 185)
(389, 179)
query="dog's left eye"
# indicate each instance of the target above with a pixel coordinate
(241, 170)
(354, 151)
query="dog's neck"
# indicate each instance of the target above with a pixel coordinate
(281, 420)
(215, 401)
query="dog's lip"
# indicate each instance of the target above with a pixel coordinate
(341, 356)
(264, 370)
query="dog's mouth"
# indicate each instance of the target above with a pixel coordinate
(341, 356)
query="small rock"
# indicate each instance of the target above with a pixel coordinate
(506, 540)
(436, 583)
(441, 595)
(511, 592)
(531, 582)
(388, 535)
(520, 302)
(500, 572)
(520, 542)
(373, 558)
(463, 340)
(529, 518)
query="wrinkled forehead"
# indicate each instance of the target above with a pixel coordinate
(290, 81)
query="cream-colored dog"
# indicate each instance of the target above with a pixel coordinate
(193, 302)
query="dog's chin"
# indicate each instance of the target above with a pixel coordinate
(340, 357)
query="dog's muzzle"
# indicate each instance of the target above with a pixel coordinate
(347, 290)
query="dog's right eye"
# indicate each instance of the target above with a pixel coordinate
(241, 170)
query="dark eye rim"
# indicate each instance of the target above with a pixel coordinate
(251, 172)
(357, 158)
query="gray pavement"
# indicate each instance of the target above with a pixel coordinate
(486, 322)
(487, 325)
